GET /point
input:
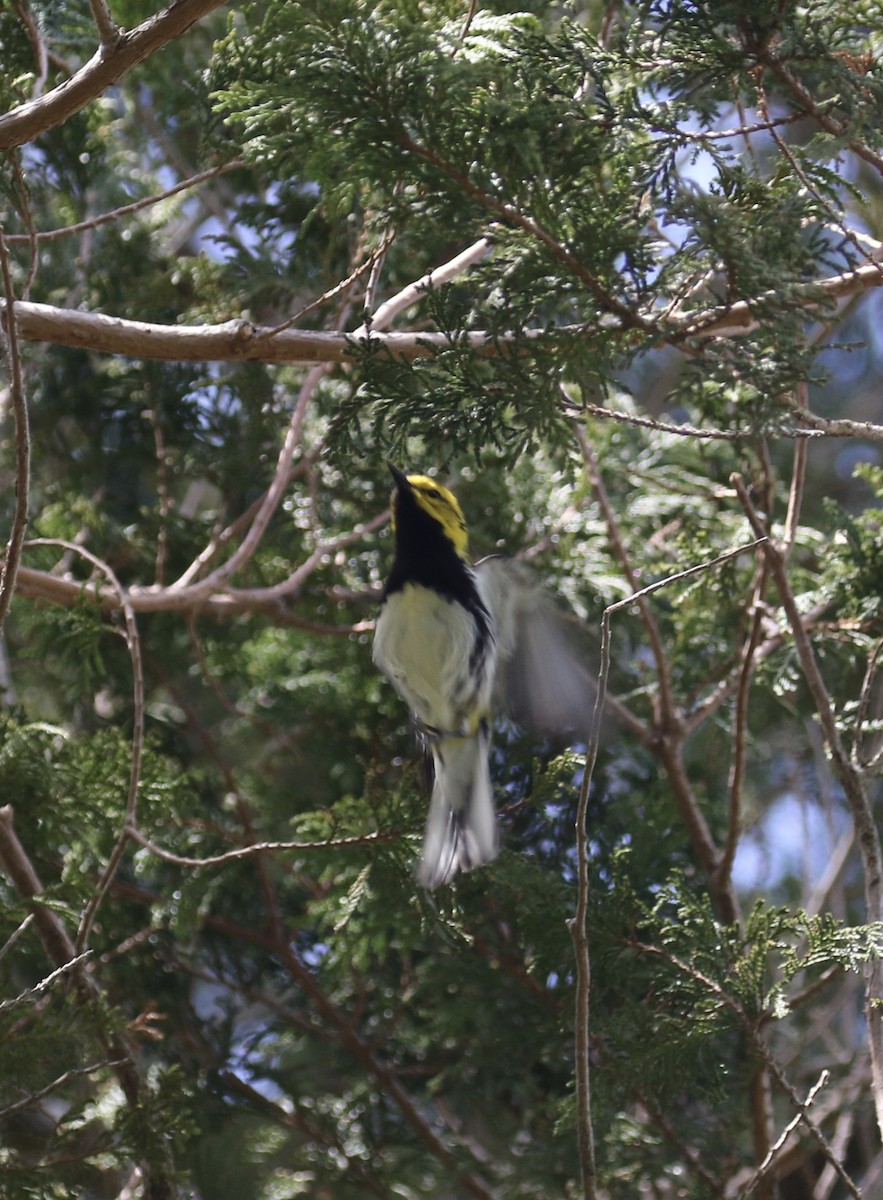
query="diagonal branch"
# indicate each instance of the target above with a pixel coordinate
(108, 64)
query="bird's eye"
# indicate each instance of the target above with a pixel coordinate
(434, 493)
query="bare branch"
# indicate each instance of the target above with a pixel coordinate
(240, 341)
(109, 63)
(778, 1145)
(133, 642)
(271, 501)
(32, 993)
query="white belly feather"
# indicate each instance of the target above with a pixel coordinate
(425, 644)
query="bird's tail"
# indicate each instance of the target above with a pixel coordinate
(461, 830)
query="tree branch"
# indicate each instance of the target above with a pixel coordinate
(109, 63)
(238, 340)
(273, 602)
(414, 292)
(133, 641)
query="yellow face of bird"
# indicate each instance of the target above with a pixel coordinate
(442, 506)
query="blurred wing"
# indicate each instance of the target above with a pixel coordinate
(543, 678)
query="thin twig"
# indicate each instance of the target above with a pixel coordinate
(74, 1073)
(33, 993)
(798, 476)
(15, 935)
(332, 293)
(182, 860)
(618, 546)
(56, 941)
(859, 761)
(272, 499)
(740, 729)
(38, 44)
(695, 432)
(126, 210)
(780, 1141)
(666, 734)
(750, 1026)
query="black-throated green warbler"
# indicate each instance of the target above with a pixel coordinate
(457, 642)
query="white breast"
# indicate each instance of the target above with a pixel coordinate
(425, 644)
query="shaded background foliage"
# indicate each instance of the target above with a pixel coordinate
(305, 1020)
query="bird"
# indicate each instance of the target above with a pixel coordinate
(462, 643)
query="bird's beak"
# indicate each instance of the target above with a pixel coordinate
(400, 477)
